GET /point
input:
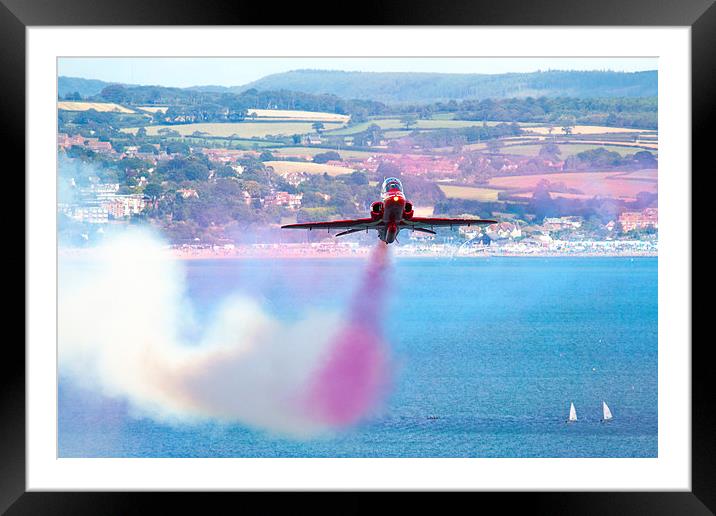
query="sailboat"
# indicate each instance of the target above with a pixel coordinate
(607, 414)
(572, 413)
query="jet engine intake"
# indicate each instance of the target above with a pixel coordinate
(408, 210)
(376, 210)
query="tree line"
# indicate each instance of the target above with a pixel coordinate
(637, 112)
(190, 105)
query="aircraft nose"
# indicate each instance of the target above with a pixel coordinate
(393, 198)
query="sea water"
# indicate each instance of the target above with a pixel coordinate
(486, 356)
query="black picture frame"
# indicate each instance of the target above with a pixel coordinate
(700, 15)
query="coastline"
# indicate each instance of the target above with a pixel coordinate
(275, 251)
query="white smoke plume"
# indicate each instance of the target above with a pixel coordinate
(123, 321)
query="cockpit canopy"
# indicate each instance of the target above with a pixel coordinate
(391, 183)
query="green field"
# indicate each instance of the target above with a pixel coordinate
(469, 192)
(288, 167)
(312, 151)
(214, 143)
(585, 129)
(566, 149)
(398, 133)
(395, 123)
(443, 116)
(240, 129)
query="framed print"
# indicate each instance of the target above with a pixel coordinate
(450, 255)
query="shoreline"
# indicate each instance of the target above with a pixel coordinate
(363, 252)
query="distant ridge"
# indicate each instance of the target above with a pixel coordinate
(85, 87)
(430, 87)
(407, 87)
(213, 88)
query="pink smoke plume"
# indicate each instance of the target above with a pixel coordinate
(355, 374)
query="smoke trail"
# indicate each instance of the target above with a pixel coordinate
(354, 374)
(121, 324)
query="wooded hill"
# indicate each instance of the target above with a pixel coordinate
(432, 87)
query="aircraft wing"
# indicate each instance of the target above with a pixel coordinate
(352, 225)
(433, 222)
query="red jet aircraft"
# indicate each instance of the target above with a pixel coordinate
(389, 216)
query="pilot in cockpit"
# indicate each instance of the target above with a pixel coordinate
(391, 183)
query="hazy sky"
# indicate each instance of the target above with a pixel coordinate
(236, 71)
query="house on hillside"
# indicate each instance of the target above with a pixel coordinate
(631, 220)
(186, 193)
(560, 223)
(296, 178)
(292, 201)
(503, 230)
(311, 139)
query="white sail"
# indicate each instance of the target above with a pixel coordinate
(606, 411)
(572, 412)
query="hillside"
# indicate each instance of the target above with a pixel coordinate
(85, 87)
(431, 87)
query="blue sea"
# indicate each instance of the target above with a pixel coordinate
(488, 354)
